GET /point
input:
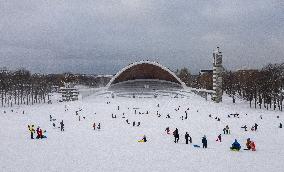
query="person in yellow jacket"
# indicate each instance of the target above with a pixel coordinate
(32, 130)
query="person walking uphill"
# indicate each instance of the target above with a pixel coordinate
(176, 135)
(62, 126)
(219, 138)
(204, 141)
(94, 126)
(186, 138)
(255, 126)
(32, 130)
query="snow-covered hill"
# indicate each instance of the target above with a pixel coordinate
(115, 148)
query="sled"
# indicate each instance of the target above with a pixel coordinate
(196, 146)
(235, 150)
(43, 137)
(140, 140)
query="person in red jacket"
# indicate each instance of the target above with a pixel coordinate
(252, 145)
(248, 144)
(40, 133)
(219, 138)
(37, 132)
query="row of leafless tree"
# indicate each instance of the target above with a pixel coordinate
(263, 88)
(22, 87)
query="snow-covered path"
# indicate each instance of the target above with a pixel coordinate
(115, 146)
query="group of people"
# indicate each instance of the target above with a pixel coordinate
(235, 146)
(253, 128)
(210, 116)
(187, 137)
(38, 131)
(53, 124)
(227, 130)
(98, 127)
(249, 144)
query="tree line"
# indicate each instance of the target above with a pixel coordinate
(22, 87)
(262, 88)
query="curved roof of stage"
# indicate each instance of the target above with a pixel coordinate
(145, 70)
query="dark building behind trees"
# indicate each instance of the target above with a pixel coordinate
(262, 88)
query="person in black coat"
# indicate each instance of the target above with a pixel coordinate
(204, 141)
(176, 135)
(144, 138)
(62, 126)
(255, 126)
(187, 136)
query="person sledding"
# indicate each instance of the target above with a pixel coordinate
(219, 138)
(167, 130)
(176, 135)
(32, 130)
(144, 139)
(250, 145)
(39, 133)
(236, 146)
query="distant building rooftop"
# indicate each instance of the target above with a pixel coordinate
(202, 71)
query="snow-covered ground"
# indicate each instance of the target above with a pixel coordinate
(115, 146)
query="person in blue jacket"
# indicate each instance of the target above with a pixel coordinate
(236, 145)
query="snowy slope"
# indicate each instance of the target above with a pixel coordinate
(115, 146)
